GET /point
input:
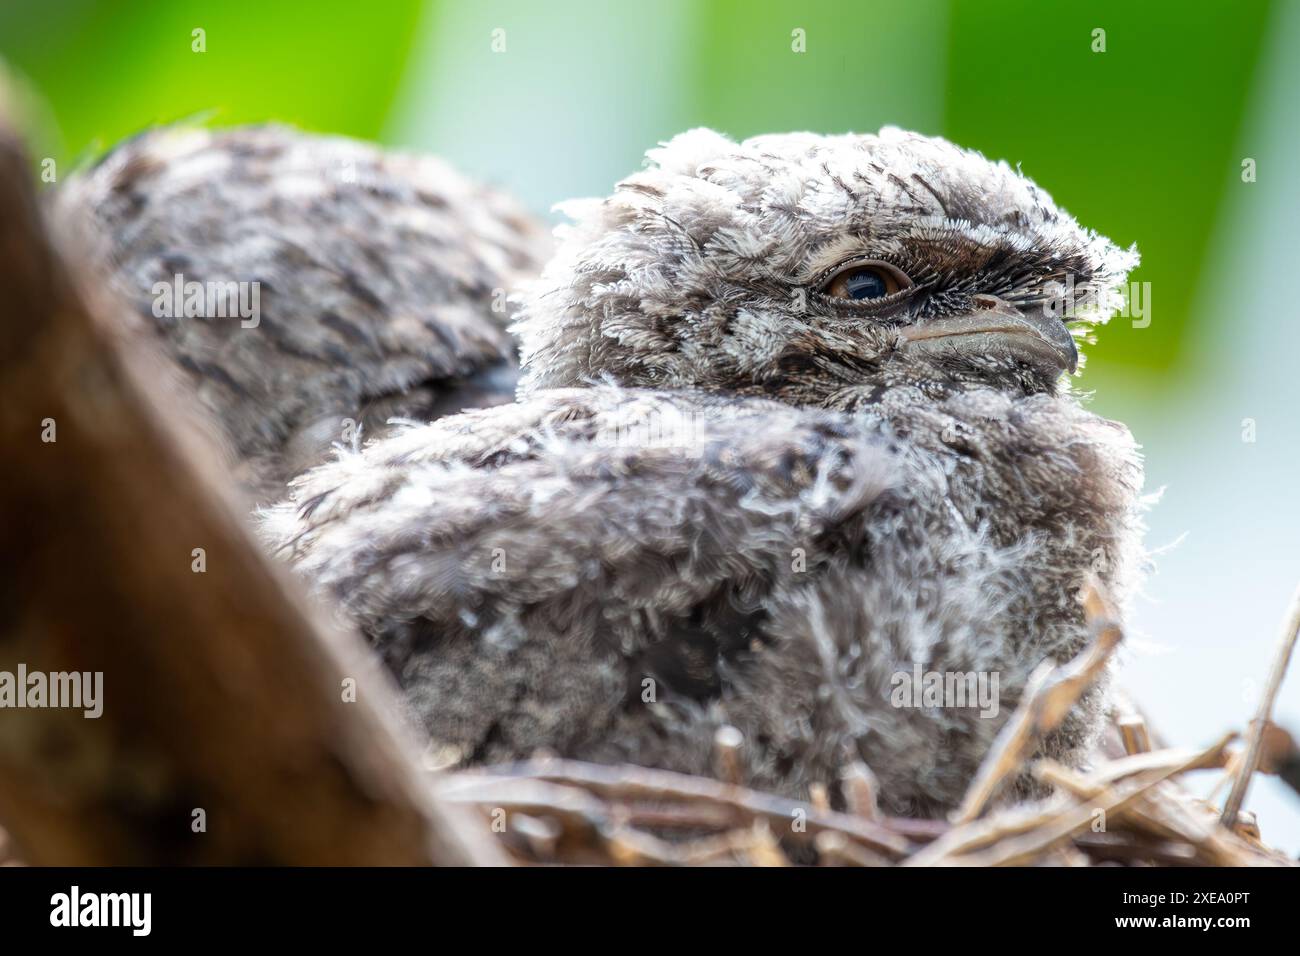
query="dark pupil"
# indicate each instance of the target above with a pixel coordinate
(865, 284)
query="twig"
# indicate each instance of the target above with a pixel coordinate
(1131, 791)
(1286, 644)
(1161, 809)
(1133, 731)
(699, 801)
(861, 790)
(1049, 694)
(986, 831)
(1177, 758)
(727, 743)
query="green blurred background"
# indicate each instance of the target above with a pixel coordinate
(1143, 142)
(1138, 142)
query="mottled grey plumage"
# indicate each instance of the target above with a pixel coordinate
(726, 496)
(382, 281)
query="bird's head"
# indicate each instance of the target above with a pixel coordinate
(819, 270)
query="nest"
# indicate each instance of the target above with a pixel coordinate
(1130, 810)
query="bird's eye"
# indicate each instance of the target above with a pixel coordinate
(863, 281)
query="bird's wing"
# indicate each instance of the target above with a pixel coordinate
(337, 283)
(526, 569)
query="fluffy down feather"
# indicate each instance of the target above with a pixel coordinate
(612, 574)
(381, 279)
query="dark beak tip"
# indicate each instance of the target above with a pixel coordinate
(1056, 346)
(1070, 356)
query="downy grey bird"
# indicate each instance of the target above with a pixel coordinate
(794, 429)
(309, 288)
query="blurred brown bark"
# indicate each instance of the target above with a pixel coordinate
(226, 735)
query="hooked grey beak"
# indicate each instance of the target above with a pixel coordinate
(997, 327)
